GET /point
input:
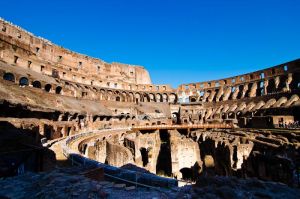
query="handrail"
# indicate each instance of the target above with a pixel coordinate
(191, 126)
(69, 152)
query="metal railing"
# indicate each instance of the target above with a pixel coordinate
(183, 126)
(118, 174)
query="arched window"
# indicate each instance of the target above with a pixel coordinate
(36, 84)
(48, 87)
(23, 81)
(118, 99)
(9, 77)
(58, 90)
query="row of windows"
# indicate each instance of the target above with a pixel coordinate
(60, 57)
(233, 80)
(55, 74)
(23, 81)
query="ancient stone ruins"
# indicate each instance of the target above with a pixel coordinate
(59, 108)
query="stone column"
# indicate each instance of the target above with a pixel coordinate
(266, 83)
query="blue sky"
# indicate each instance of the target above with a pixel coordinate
(177, 41)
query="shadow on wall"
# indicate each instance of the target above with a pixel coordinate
(22, 151)
(265, 163)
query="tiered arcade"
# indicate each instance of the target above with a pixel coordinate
(51, 92)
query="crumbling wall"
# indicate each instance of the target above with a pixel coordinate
(117, 155)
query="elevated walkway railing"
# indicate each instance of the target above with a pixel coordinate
(184, 126)
(127, 176)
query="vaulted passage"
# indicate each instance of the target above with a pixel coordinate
(145, 157)
(187, 173)
(36, 84)
(164, 163)
(9, 77)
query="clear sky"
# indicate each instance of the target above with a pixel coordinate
(177, 41)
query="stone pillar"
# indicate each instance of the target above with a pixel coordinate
(42, 129)
(266, 83)
(277, 82)
(244, 90)
(288, 81)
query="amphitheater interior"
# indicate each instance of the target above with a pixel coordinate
(110, 114)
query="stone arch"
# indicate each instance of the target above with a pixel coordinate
(206, 94)
(130, 97)
(208, 113)
(193, 98)
(36, 84)
(165, 97)
(124, 96)
(250, 106)
(280, 102)
(146, 97)
(118, 96)
(137, 97)
(23, 81)
(225, 108)
(48, 87)
(9, 77)
(240, 93)
(292, 100)
(239, 114)
(241, 107)
(172, 98)
(102, 94)
(158, 97)
(231, 115)
(269, 103)
(259, 105)
(110, 95)
(271, 88)
(58, 90)
(152, 97)
(232, 108)
(218, 110)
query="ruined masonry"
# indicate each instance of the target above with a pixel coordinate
(243, 126)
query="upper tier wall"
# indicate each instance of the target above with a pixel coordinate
(281, 69)
(281, 78)
(22, 48)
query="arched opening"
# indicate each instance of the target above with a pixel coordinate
(240, 94)
(118, 99)
(137, 98)
(193, 99)
(146, 98)
(164, 97)
(58, 90)
(68, 131)
(145, 157)
(271, 86)
(159, 98)
(175, 118)
(164, 162)
(37, 84)
(23, 81)
(9, 77)
(187, 173)
(48, 87)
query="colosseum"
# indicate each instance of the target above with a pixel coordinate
(107, 121)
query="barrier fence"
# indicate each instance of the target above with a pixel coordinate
(117, 174)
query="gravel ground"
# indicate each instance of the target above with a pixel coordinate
(68, 183)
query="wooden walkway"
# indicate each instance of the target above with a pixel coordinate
(184, 126)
